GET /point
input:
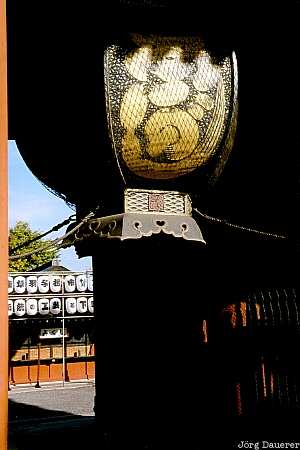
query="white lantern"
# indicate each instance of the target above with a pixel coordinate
(31, 284)
(91, 305)
(71, 305)
(10, 307)
(43, 284)
(55, 305)
(70, 283)
(90, 283)
(44, 306)
(10, 284)
(31, 306)
(55, 283)
(19, 284)
(81, 283)
(82, 305)
(19, 307)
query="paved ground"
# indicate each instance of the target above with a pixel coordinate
(52, 416)
(72, 398)
(60, 417)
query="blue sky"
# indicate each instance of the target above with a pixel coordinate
(31, 202)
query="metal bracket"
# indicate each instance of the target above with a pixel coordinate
(135, 226)
(147, 212)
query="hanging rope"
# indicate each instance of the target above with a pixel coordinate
(40, 236)
(239, 227)
(55, 243)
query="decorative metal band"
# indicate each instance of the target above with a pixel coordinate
(135, 226)
(152, 201)
(169, 105)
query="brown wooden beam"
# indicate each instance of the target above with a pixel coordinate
(3, 231)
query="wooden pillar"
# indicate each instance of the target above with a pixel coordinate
(153, 378)
(38, 366)
(3, 230)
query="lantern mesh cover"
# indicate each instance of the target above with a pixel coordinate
(171, 106)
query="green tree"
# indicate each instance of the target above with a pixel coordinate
(20, 234)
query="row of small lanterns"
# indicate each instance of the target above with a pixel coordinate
(45, 306)
(43, 284)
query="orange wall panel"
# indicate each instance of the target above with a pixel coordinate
(33, 374)
(44, 373)
(20, 374)
(56, 372)
(90, 369)
(76, 370)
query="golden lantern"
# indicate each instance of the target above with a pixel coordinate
(171, 108)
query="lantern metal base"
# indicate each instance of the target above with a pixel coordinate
(135, 226)
(147, 212)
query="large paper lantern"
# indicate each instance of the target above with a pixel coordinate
(43, 284)
(81, 283)
(55, 283)
(10, 284)
(19, 284)
(31, 306)
(82, 305)
(171, 107)
(55, 305)
(44, 306)
(91, 305)
(31, 284)
(10, 307)
(20, 307)
(71, 304)
(69, 283)
(90, 282)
